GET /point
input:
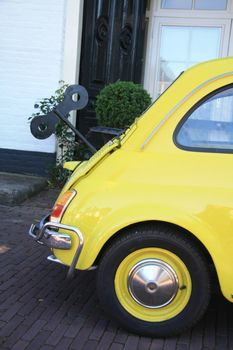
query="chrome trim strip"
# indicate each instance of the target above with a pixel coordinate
(54, 259)
(178, 105)
(93, 267)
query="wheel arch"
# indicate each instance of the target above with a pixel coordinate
(199, 245)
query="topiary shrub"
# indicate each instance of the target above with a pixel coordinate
(118, 104)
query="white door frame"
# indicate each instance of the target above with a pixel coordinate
(72, 40)
(72, 44)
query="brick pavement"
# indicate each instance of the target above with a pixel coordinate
(41, 310)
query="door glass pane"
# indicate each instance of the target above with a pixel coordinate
(176, 4)
(210, 125)
(210, 4)
(182, 47)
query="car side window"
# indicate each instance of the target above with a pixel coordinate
(209, 126)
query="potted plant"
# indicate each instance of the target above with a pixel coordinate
(117, 106)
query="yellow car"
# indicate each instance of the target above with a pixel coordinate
(153, 209)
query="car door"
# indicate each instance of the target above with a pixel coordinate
(204, 141)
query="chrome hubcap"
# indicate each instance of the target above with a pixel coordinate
(152, 283)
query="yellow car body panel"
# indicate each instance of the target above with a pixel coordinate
(149, 178)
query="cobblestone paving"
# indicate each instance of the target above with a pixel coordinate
(40, 309)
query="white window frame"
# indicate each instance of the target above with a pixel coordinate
(193, 13)
(159, 17)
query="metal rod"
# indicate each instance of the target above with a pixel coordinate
(77, 133)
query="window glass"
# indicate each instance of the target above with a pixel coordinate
(182, 47)
(210, 126)
(174, 4)
(210, 4)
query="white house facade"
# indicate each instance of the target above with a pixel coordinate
(41, 43)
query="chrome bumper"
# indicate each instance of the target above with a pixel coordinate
(46, 233)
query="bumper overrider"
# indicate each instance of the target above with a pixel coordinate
(49, 234)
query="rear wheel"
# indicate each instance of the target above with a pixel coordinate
(154, 282)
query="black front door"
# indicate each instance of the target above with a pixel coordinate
(112, 48)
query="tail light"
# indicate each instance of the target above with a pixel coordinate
(61, 205)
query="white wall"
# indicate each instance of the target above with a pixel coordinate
(31, 63)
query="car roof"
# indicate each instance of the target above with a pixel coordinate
(191, 80)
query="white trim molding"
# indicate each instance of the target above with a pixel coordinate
(72, 44)
(72, 41)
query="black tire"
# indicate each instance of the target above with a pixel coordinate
(184, 310)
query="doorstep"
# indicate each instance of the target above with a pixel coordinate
(15, 188)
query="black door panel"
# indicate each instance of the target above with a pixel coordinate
(112, 48)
